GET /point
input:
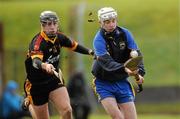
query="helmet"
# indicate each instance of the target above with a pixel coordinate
(48, 16)
(106, 13)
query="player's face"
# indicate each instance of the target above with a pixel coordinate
(109, 25)
(50, 27)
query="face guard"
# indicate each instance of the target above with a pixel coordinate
(47, 17)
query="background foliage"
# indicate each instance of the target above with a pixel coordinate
(154, 24)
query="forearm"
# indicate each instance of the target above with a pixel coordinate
(108, 64)
(38, 64)
(141, 71)
(81, 49)
(141, 65)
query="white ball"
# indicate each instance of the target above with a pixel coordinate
(133, 53)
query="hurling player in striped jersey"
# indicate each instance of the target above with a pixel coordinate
(43, 57)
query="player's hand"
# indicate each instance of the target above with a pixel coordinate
(140, 79)
(91, 52)
(131, 73)
(48, 68)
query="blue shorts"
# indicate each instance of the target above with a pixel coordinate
(121, 90)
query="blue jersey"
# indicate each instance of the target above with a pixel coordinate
(112, 52)
(99, 43)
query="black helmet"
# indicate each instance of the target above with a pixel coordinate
(48, 16)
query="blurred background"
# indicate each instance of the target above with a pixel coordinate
(154, 24)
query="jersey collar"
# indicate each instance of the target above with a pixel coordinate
(48, 39)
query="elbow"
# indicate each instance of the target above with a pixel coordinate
(36, 63)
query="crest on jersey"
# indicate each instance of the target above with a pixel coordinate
(122, 45)
(50, 49)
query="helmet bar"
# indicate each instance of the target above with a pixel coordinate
(107, 12)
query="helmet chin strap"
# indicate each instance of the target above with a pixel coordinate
(110, 34)
(51, 36)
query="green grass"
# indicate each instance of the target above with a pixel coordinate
(145, 111)
(161, 116)
(142, 116)
(158, 108)
(154, 25)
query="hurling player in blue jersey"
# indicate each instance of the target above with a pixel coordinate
(112, 45)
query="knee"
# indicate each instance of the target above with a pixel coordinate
(67, 111)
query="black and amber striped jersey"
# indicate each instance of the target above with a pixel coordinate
(48, 50)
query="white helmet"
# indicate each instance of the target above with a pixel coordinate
(106, 13)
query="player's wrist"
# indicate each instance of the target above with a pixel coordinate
(43, 66)
(140, 79)
(91, 52)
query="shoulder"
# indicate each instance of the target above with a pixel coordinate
(125, 30)
(128, 34)
(98, 37)
(99, 44)
(130, 39)
(61, 35)
(37, 37)
(36, 42)
(98, 40)
(63, 39)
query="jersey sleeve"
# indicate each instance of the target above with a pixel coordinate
(104, 59)
(36, 48)
(67, 42)
(99, 45)
(72, 44)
